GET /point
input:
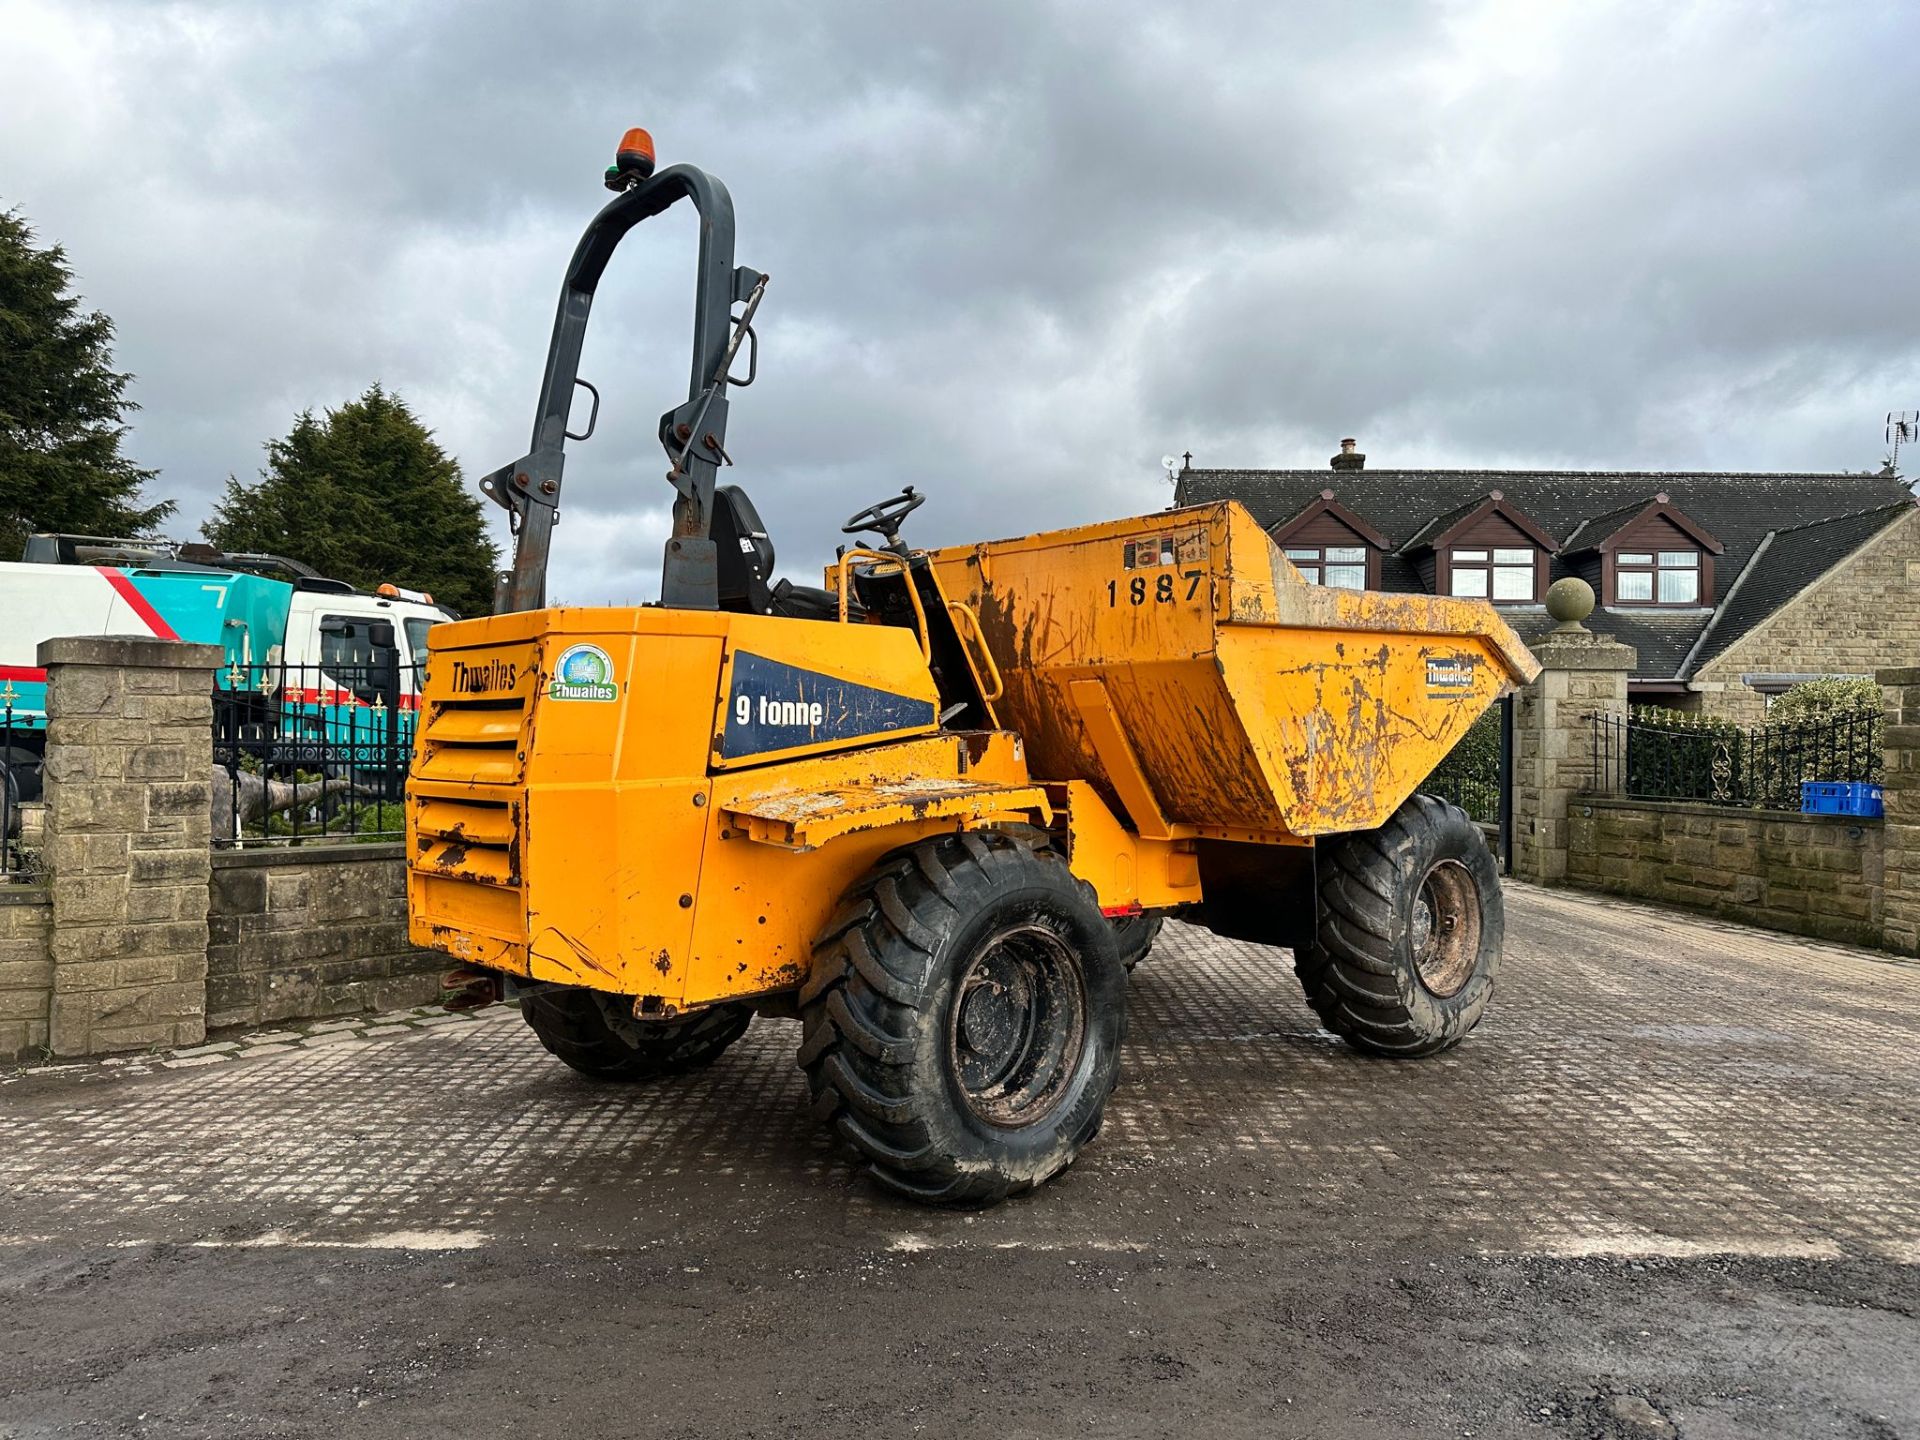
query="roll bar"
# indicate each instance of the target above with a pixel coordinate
(693, 434)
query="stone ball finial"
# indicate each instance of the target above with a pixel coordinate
(1570, 601)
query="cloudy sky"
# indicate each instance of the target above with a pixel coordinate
(1019, 250)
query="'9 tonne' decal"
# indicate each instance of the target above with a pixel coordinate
(774, 706)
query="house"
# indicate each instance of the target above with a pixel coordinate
(1731, 587)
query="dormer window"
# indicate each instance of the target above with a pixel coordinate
(1648, 553)
(1485, 549)
(1339, 567)
(1498, 573)
(1332, 546)
(1656, 577)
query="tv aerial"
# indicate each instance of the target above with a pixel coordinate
(1903, 428)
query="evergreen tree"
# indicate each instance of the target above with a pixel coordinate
(62, 406)
(366, 495)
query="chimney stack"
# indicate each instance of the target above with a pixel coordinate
(1349, 458)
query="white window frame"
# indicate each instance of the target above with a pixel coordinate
(1654, 567)
(1487, 566)
(1319, 564)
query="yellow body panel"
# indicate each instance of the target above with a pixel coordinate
(564, 836)
(670, 804)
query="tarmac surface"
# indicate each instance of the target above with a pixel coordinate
(1671, 1186)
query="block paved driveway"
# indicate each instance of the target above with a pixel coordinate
(1670, 1187)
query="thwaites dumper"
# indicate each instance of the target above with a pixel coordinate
(938, 807)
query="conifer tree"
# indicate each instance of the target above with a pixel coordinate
(63, 406)
(365, 494)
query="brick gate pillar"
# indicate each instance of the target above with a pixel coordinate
(1900, 745)
(1581, 673)
(129, 773)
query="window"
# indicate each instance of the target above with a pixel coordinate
(345, 642)
(417, 627)
(1496, 574)
(1657, 577)
(1340, 567)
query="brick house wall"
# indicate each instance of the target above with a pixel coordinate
(1859, 617)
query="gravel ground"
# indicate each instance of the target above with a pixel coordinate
(1670, 1187)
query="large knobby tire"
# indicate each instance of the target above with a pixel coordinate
(962, 1023)
(1135, 934)
(598, 1036)
(1411, 925)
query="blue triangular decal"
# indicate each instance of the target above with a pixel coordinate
(775, 706)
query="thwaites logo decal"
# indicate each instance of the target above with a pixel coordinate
(484, 677)
(774, 706)
(1450, 676)
(583, 672)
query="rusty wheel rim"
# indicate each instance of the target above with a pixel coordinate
(1017, 1026)
(1445, 930)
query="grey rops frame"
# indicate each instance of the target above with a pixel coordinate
(694, 434)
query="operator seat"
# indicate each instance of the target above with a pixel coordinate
(744, 559)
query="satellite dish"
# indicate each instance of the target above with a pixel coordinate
(1171, 464)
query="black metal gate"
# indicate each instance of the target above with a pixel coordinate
(1477, 775)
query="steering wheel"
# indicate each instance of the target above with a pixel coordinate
(884, 517)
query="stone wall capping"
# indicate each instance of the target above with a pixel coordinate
(290, 856)
(129, 652)
(1726, 813)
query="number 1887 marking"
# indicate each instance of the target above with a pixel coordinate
(1162, 590)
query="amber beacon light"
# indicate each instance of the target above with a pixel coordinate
(632, 161)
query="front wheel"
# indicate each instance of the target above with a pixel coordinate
(1410, 931)
(1135, 934)
(598, 1035)
(962, 1023)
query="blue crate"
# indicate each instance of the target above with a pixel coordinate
(1853, 797)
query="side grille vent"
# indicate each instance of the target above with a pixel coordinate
(471, 742)
(468, 839)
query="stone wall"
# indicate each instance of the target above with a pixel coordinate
(142, 936)
(129, 798)
(1820, 875)
(1862, 615)
(1581, 674)
(310, 931)
(26, 969)
(1900, 784)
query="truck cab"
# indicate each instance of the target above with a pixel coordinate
(304, 655)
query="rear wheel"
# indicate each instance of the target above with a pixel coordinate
(1135, 934)
(1411, 925)
(597, 1034)
(962, 1023)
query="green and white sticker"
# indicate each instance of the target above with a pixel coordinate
(584, 672)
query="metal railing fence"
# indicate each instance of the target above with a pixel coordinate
(306, 752)
(1477, 775)
(1665, 756)
(20, 740)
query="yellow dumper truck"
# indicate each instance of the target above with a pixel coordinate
(937, 807)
